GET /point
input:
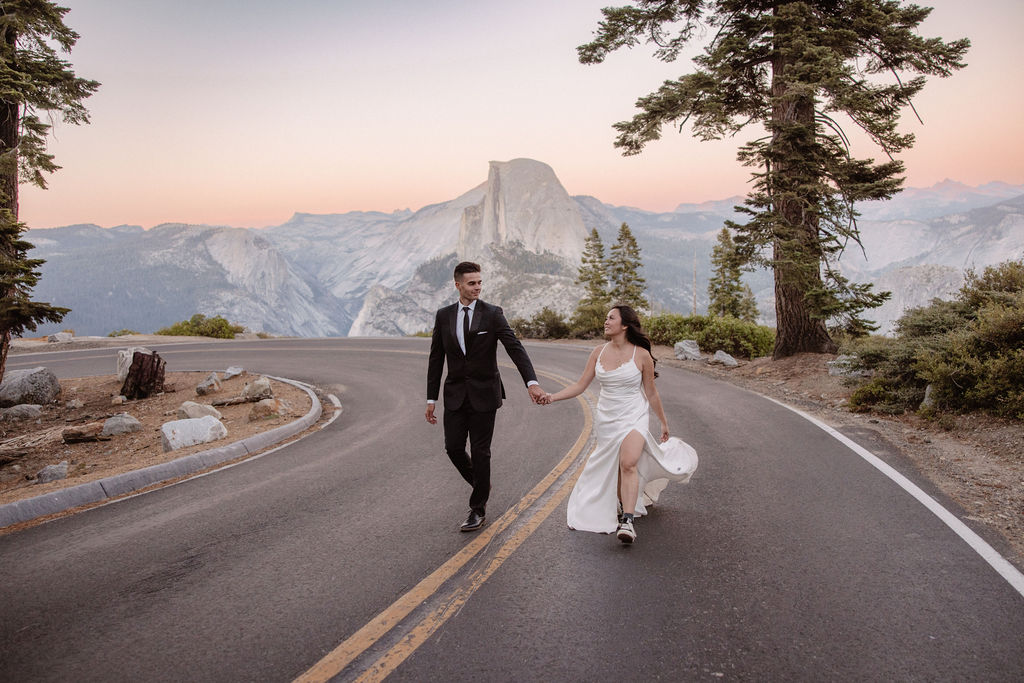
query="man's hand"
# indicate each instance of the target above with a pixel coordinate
(536, 393)
(430, 414)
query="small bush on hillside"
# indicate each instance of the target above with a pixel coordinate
(712, 333)
(545, 324)
(201, 326)
(121, 333)
(970, 350)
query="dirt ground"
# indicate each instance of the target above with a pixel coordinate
(26, 446)
(978, 462)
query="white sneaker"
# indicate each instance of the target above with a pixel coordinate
(625, 532)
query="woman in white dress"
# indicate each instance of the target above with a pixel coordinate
(629, 466)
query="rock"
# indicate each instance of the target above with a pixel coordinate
(232, 372)
(124, 360)
(118, 400)
(687, 350)
(181, 433)
(53, 473)
(721, 357)
(90, 431)
(120, 424)
(843, 366)
(32, 385)
(209, 385)
(257, 390)
(268, 407)
(74, 404)
(22, 411)
(191, 409)
(60, 337)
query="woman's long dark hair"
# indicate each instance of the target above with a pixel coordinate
(634, 332)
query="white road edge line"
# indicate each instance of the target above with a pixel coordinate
(337, 411)
(980, 546)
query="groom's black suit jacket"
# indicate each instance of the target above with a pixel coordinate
(473, 376)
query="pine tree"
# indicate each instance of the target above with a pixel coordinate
(790, 67)
(588, 319)
(624, 264)
(33, 79)
(727, 293)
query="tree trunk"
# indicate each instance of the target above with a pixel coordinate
(8, 186)
(145, 376)
(797, 253)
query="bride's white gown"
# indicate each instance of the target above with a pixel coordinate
(621, 408)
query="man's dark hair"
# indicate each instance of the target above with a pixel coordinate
(466, 267)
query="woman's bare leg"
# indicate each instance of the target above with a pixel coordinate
(629, 482)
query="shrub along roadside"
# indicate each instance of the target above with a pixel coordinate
(201, 326)
(712, 333)
(970, 350)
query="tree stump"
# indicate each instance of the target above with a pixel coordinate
(145, 376)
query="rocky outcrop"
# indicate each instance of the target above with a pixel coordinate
(181, 433)
(32, 385)
(526, 205)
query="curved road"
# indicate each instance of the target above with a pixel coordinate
(788, 557)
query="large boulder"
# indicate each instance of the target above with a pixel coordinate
(257, 390)
(60, 337)
(233, 371)
(32, 385)
(268, 407)
(124, 360)
(722, 358)
(181, 433)
(53, 473)
(209, 385)
(191, 409)
(120, 424)
(22, 411)
(687, 350)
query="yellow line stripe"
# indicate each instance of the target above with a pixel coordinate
(361, 640)
(391, 659)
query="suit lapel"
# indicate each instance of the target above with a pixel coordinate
(452, 325)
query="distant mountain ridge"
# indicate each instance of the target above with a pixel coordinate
(378, 273)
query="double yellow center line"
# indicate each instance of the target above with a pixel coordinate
(342, 656)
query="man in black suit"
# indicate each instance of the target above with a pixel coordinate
(466, 335)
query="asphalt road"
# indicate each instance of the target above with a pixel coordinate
(788, 556)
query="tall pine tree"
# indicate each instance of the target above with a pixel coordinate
(588, 319)
(727, 293)
(791, 68)
(627, 285)
(33, 79)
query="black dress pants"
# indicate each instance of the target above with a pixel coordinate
(465, 422)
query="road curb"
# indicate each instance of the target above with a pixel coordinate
(127, 482)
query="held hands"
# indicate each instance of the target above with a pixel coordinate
(537, 394)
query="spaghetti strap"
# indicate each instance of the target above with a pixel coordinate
(602, 353)
(634, 352)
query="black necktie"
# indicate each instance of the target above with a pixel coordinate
(465, 327)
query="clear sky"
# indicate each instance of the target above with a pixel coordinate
(241, 113)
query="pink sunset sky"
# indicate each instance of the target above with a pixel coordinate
(241, 114)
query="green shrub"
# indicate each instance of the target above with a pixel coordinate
(712, 333)
(201, 326)
(121, 333)
(970, 350)
(545, 324)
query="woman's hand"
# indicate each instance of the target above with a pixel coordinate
(664, 432)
